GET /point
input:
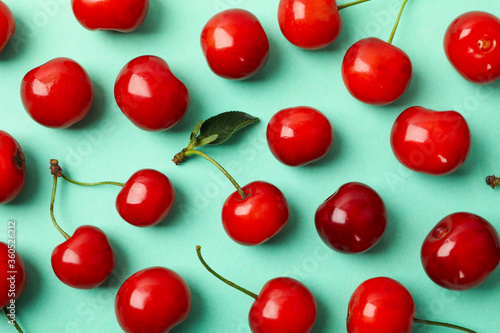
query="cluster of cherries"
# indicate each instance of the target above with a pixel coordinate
(459, 253)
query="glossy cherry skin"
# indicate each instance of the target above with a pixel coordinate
(235, 44)
(146, 199)
(150, 95)
(258, 217)
(432, 142)
(376, 72)
(118, 15)
(461, 251)
(7, 25)
(472, 45)
(85, 260)
(380, 305)
(12, 168)
(309, 24)
(11, 261)
(153, 300)
(284, 305)
(352, 220)
(299, 135)
(58, 93)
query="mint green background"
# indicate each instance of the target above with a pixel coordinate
(107, 146)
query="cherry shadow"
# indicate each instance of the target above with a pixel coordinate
(97, 110)
(332, 155)
(272, 66)
(156, 17)
(287, 233)
(33, 286)
(196, 314)
(33, 177)
(323, 317)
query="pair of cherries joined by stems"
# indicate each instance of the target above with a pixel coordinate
(60, 93)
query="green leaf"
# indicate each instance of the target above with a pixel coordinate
(224, 125)
(205, 141)
(196, 130)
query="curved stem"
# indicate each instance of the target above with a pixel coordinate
(226, 281)
(397, 22)
(13, 321)
(436, 323)
(340, 7)
(52, 200)
(208, 158)
(91, 184)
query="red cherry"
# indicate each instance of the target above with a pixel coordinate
(150, 95)
(284, 305)
(85, 259)
(58, 93)
(431, 142)
(461, 251)
(119, 15)
(376, 72)
(471, 44)
(11, 261)
(259, 216)
(310, 24)
(7, 25)
(12, 168)
(153, 300)
(380, 305)
(235, 44)
(299, 135)
(146, 198)
(353, 219)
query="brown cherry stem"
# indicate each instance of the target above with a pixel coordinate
(492, 181)
(397, 22)
(12, 321)
(340, 7)
(436, 323)
(226, 281)
(189, 152)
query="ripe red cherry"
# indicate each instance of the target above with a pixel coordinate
(12, 168)
(284, 305)
(431, 142)
(11, 261)
(146, 199)
(58, 93)
(461, 251)
(150, 95)
(119, 15)
(235, 44)
(380, 305)
(152, 300)
(7, 25)
(309, 24)
(353, 219)
(84, 260)
(376, 72)
(259, 216)
(471, 44)
(299, 135)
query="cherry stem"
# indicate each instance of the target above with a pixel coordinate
(435, 323)
(492, 181)
(226, 281)
(54, 188)
(208, 158)
(397, 22)
(12, 321)
(340, 7)
(90, 184)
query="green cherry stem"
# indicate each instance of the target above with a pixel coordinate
(226, 281)
(340, 7)
(90, 184)
(12, 321)
(397, 22)
(435, 323)
(189, 152)
(52, 200)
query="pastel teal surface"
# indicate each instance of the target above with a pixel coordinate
(107, 146)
